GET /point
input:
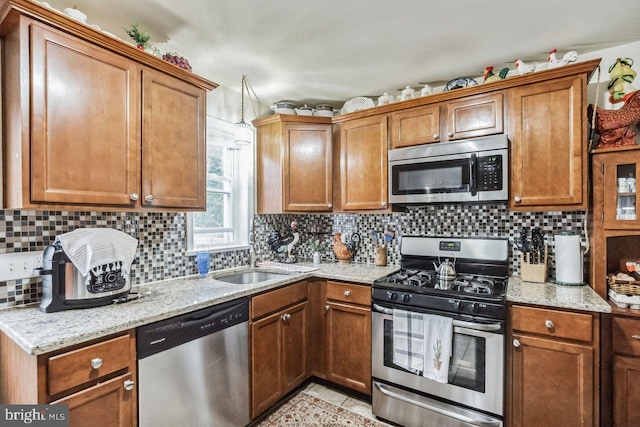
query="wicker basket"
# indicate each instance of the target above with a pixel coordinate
(625, 288)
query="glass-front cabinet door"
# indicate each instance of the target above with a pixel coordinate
(619, 171)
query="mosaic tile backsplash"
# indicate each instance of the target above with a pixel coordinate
(162, 252)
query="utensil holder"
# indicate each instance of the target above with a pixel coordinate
(381, 256)
(533, 272)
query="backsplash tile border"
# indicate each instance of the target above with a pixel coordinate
(162, 252)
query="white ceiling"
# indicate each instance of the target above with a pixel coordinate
(333, 50)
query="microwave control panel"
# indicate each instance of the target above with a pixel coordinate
(490, 173)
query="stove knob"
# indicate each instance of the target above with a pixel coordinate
(406, 298)
(392, 295)
(458, 305)
(473, 307)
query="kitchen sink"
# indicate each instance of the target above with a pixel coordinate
(251, 277)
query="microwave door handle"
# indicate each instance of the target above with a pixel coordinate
(474, 174)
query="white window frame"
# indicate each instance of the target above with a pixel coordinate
(221, 133)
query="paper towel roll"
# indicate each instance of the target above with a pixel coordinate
(569, 262)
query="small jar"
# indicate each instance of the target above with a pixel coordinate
(381, 256)
(426, 90)
(623, 187)
(385, 99)
(408, 93)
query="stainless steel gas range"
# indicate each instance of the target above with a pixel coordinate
(473, 297)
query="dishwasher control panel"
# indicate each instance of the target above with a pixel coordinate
(169, 333)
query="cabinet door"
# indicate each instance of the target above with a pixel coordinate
(173, 142)
(626, 391)
(266, 363)
(552, 383)
(294, 346)
(475, 116)
(363, 164)
(349, 346)
(106, 404)
(307, 167)
(415, 126)
(84, 128)
(615, 189)
(548, 145)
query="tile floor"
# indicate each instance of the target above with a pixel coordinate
(341, 399)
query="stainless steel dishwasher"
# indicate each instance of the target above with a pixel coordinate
(193, 369)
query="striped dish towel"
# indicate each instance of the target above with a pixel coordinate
(88, 248)
(408, 340)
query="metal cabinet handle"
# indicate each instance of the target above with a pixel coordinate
(96, 363)
(148, 198)
(285, 316)
(347, 293)
(450, 134)
(330, 205)
(133, 196)
(517, 199)
(129, 384)
(326, 308)
(436, 136)
(516, 343)
(549, 324)
(635, 337)
(383, 203)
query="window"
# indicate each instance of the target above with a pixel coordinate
(225, 223)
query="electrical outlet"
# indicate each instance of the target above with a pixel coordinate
(19, 265)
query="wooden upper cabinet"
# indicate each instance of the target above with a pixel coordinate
(294, 164)
(363, 164)
(82, 151)
(468, 117)
(90, 121)
(415, 126)
(547, 129)
(173, 142)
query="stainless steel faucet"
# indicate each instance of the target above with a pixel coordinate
(253, 250)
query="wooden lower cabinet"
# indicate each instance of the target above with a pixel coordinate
(96, 380)
(553, 368)
(278, 345)
(625, 337)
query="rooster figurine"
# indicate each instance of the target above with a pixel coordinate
(345, 251)
(283, 244)
(568, 58)
(489, 75)
(524, 68)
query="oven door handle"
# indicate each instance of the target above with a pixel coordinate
(487, 327)
(439, 410)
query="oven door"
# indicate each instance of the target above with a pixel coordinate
(476, 368)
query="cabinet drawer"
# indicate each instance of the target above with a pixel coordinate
(270, 302)
(561, 324)
(626, 335)
(68, 370)
(346, 292)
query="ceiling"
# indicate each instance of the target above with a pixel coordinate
(333, 50)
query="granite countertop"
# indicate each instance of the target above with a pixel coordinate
(39, 333)
(554, 295)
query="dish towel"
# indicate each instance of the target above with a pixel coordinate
(408, 340)
(438, 338)
(90, 248)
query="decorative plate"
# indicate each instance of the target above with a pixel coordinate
(459, 83)
(357, 104)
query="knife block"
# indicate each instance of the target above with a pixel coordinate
(533, 272)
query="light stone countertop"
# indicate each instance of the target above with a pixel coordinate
(554, 295)
(39, 333)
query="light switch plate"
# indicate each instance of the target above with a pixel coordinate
(19, 265)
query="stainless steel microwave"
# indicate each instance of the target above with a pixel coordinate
(473, 170)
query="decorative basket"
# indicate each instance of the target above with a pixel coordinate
(625, 288)
(357, 104)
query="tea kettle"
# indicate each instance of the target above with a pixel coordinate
(446, 270)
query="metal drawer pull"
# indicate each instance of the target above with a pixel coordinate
(133, 196)
(450, 134)
(347, 293)
(517, 199)
(436, 136)
(326, 308)
(96, 363)
(285, 316)
(330, 205)
(635, 337)
(129, 384)
(549, 324)
(148, 198)
(516, 343)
